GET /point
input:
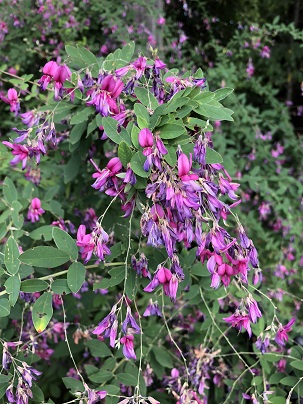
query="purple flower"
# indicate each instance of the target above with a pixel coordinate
(129, 319)
(13, 100)
(108, 326)
(184, 166)
(282, 336)
(253, 310)
(152, 309)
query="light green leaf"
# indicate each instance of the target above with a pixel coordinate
(77, 132)
(170, 131)
(43, 232)
(44, 257)
(215, 112)
(137, 163)
(42, 311)
(221, 93)
(65, 243)
(76, 276)
(297, 365)
(110, 128)
(124, 154)
(147, 98)
(11, 254)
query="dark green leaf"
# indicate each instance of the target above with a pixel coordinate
(289, 381)
(60, 287)
(297, 365)
(142, 115)
(71, 169)
(42, 311)
(11, 254)
(44, 257)
(98, 348)
(163, 357)
(76, 276)
(5, 307)
(101, 376)
(215, 112)
(77, 132)
(73, 385)
(16, 218)
(65, 243)
(82, 116)
(12, 286)
(33, 285)
(127, 379)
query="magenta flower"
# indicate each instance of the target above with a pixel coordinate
(128, 346)
(282, 336)
(139, 65)
(13, 100)
(35, 210)
(184, 166)
(146, 140)
(20, 152)
(104, 99)
(85, 242)
(239, 320)
(48, 73)
(253, 310)
(61, 74)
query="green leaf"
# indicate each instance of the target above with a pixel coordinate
(98, 348)
(124, 154)
(163, 357)
(135, 136)
(71, 169)
(142, 115)
(3, 230)
(215, 112)
(205, 97)
(65, 243)
(60, 287)
(127, 53)
(89, 59)
(33, 285)
(82, 116)
(289, 381)
(297, 365)
(73, 385)
(77, 132)
(16, 218)
(221, 93)
(45, 232)
(42, 311)
(44, 257)
(137, 163)
(11, 254)
(101, 376)
(12, 286)
(130, 284)
(5, 307)
(9, 191)
(147, 98)
(171, 156)
(170, 131)
(110, 128)
(213, 157)
(127, 379)
(76, 276)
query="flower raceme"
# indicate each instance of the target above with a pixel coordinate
(94, 242)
